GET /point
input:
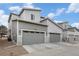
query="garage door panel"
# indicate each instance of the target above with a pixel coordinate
(41, 35)
(54, 37)
(27, 37)
(24, 37)
(32, 38)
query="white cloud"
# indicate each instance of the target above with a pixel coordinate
(30, 5)
(3, 18)
(73, 7)
(51, 15)
(15, 9)
(57, 21)
(58, 12)
(75, 25)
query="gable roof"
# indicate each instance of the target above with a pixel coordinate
(70, 27)
(63, 22)
(52, 22)
(11, 16)
(22, 12)
(74, 28)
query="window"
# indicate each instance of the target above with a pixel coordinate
(32, 17)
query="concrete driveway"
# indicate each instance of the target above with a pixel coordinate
(55, 49)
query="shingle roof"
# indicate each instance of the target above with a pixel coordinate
(51, 21)
(74, 28)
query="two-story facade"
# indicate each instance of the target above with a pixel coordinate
(30, 28)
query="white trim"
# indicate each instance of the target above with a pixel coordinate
(61, 37)
(46, 38)
(18, 37)
(11, 30)
(21, 37)
(32, 30)
(17, 32)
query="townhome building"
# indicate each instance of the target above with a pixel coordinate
(29, 27)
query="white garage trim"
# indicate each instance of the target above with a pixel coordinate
(11, 30)
(32, 30)
(61, 37)
(19, 40)
(18, 36)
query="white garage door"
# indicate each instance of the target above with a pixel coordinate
(30, 37)
(54, 37)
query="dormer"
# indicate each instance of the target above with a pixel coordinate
(30, 14)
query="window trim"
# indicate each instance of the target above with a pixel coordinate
(32, 17)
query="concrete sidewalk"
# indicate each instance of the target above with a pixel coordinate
(58, 49)
(41, 47)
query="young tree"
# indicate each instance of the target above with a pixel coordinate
(3, 30)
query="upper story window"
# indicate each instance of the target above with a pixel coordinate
(32, 17)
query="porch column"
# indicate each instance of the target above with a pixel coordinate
(61, 37)
(46, 37)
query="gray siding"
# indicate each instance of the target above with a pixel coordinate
(24, 25)
(26, 15)
(14, 31)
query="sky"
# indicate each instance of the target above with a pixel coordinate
(57, 12)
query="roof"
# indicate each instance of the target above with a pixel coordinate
(30, 9)
(11, 15)
(30, 22)
(52, 22)
(42, 17)
(33, 9)
(22, 12)
(74, 28)
(63, 22)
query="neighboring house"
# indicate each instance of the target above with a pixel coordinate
(70, 34)
(30, 28)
